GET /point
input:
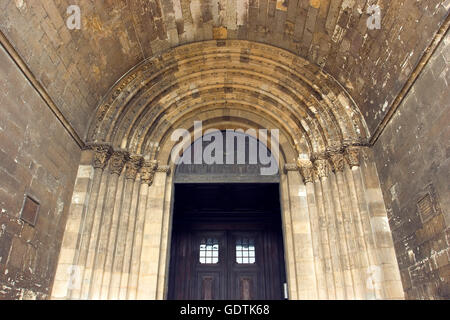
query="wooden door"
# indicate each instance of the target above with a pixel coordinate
(226, 264)
(226, 243)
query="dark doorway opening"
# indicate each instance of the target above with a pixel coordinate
(227, 242)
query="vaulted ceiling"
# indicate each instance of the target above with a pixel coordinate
(78, 67)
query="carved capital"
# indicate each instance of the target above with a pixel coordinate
(165, 169)
(133, 166)
(290, 167)
(148, 171)
(305, 168)
(102, 153)
(117, 161)
(321, 168)
(352, 156)
(337, 161)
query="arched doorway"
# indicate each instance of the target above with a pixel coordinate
(335, 229)
(227, 240)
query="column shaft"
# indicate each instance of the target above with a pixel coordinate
(103, 240)
(324, 240)
(66, 276)
(343, 237)
(137, 242)
(148, 273)
(111, 238)
(359, 233)
(301, 225)
(333, 240)
(289, 240)
(118, 245)
(86, 230)
(129, 242)
(319, 263)
(373, 274)
(163, 269)
(351, 235)
(93, 242)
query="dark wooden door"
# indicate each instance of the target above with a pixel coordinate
(227, 264)
(226, 243)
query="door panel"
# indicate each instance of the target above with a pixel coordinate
(245, 287)
(210, 262)
(209, 286)
(246, 265)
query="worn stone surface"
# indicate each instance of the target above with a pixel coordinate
(121, 227)
(412, 153)
(78, 67)
(39, 158)
(242, 76)
(242, 80)
(319, 265)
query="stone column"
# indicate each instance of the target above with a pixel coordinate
(344, 235)
(102, 154)
(351, 231)
(289, 254)
(361, 246)
(119, 244)
(352, 157)
(302, 233)
(373, 286)
(163, 269)
(96, 227)
(109, 216)
(333, 233)
(307, 172)
(129, 242)
(147, 176)
(67, 275)
(321, 174)
(149, 263)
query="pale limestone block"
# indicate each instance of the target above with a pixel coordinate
(85, 171)
(394, 290)
(78, 197)
(242, 12)
(69, 239)
(387, 256)
(59, 290)
(230, 14)
(66, 255)
(391, 273)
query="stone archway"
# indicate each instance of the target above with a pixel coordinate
(226, 193)
(337, 239)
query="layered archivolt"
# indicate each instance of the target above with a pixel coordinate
(217, 81)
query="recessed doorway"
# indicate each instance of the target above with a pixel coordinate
(227, 242)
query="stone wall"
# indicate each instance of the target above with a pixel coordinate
(413, 163)
(37, 157)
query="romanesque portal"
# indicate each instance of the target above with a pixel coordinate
(335, 233)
